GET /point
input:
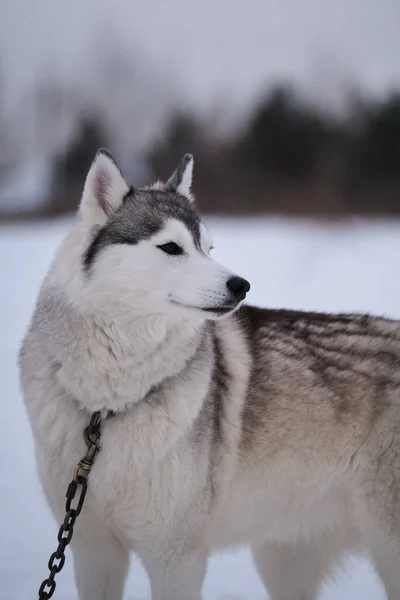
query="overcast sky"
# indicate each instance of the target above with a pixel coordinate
(211, 48)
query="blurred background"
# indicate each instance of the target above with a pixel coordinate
(292, 111)
(289, 107)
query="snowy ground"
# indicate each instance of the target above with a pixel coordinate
(352, 267)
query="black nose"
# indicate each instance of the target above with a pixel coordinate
(238, 286)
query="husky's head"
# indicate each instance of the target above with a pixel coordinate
(148, 249)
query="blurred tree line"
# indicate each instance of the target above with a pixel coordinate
(288, 157)
(72, 165)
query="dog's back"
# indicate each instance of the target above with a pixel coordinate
(273, 428)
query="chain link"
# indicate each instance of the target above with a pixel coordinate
(91, 436)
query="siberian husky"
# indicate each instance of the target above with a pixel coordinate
(276, 429)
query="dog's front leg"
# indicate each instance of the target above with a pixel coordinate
(101, 563)
(176, 577)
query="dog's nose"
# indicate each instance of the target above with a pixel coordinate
(239, 287)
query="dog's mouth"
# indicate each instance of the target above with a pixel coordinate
(216, 310)
(220, 310)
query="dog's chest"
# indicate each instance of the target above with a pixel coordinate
(138, 491)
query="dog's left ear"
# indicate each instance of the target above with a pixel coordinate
(181, 179)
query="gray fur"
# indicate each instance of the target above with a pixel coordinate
(278, 429)
(351, 362)
(142, 214)
(177, 177)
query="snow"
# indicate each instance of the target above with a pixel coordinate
(352, 266)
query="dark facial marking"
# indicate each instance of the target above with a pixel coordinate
(141, 216)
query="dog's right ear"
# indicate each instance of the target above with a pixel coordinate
(104, 190)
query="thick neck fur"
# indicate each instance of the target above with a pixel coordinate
(113, 363)
(108, 356)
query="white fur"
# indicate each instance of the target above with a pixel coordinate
(181, 179)
(161, 487)
(104, 190)
(186, 183)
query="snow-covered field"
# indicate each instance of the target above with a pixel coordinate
(347, 267)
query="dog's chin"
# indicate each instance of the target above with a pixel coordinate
(208, 312)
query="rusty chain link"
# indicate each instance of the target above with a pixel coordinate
(91, 436)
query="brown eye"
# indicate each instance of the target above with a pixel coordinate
(171, 248)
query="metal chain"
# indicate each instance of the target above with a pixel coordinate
(91, 436)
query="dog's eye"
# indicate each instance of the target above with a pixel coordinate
(171, 248)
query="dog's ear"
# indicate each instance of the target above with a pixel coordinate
(104, 190)
(181, 179)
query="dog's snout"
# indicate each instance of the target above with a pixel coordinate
(238, 286)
